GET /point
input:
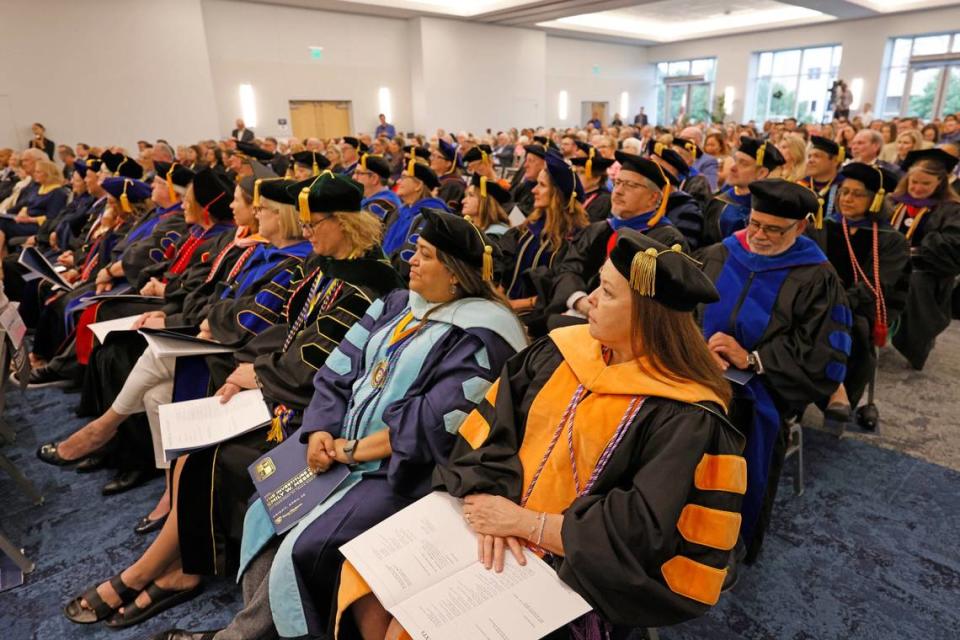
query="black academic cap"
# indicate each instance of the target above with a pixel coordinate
(420, 152)
(663, 273)
(826, 145)
(459, 238)
(479, 152)
(135, 190)
(536, 150)
(213, 193)
(260, 172)
(874, 178)
(376, 163)
(545, 141)
(672, 158)
(353, 142)
(91, 163)
(174, 173)
(689, 145)
(312, 160)
(763, 151)
(422, 172)
(598, 164)
(486, 187)
(111, 160)
(276, 189)
(647, 168)
(783, 199)
(564, 177)
(936, 155)
(327, 193)
(584, 146)
(447, 150)
(253, 151)
(130, 168)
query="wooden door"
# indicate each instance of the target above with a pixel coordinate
(303, 121)
(323, 119)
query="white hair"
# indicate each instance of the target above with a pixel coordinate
(632, 145)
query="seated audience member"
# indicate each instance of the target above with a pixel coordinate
(479, 159)
(308, 163)
(592, 171)
(793, 148)
(484, 203)
(684, 210)
(350, 150)
(25, 189)
(415, 188)
(567, 452)
(824, 158)
(534, 159)
(50, 199)
(783, 316)
(866, 146)
(689, 142)
(443, 161)
(715, 144)
(729, 210)
(333, 287)
(531, 250)
(373, 173)
(639, 202)
(907, 141)
(927, 213)
(872, 260)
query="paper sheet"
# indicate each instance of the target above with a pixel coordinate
(165, 347)
(422, 565)
(101, 329)
(195, 424)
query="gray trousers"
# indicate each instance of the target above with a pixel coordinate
(254, 622)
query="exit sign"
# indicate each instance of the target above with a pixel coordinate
(316, 53)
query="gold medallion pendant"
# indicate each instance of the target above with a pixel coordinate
(379, 374)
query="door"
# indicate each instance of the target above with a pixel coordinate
(590, 109)
(692, 99)
(923, 92)
(323, 119)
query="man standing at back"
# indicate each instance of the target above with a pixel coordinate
(241, 133)
(385, 128)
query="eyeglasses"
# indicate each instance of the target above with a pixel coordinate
(853, 193)
(312, 226)
(629, 184)
(770, 230)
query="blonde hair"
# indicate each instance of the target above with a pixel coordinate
(361, 230)
(490, 212)
(289, 218)
(50, 170)
(915, 136)
(797, 148)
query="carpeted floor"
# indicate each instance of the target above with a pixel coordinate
(869, 551)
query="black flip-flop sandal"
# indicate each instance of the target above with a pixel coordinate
(160, 600)
(97, 609)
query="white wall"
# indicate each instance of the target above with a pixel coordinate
(863, 48)
(477, 76)
(111, 71)
(267, 46)
(619, 68)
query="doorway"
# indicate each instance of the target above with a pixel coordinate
(933, 90)
(322, 119)
(590, 110)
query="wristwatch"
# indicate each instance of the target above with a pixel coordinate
(348, 450)
(753, 361)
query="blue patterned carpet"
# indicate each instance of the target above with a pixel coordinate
(870, 551)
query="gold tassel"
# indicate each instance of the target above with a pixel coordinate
(483, 156)
(692, 148)
(276, 430)
(363, 162)
(877, 203)
(841, 155)
(483, 187)
(256, 192)
(658, 149)
(411, 165)
(304, 201)
(124, 200)
(487, 272)
(818, 220)
(643, 272)
(170, 189)
(589, 164)
(316, 167)
(761, 152)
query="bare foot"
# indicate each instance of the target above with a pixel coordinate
(162, 508)
(85, 441)
(109, 595)
(174, 581)
(36, 362)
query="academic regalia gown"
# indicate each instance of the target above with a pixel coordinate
(146, 243)
(685, 214)
(894, 280)
(934, 237)
(597, 204)
(522, 195)
(726, 213)
(384, 204)
(285, 358)
(791, 309)
(653, 510)
(451, 190)
(434, 378)
(579, 270)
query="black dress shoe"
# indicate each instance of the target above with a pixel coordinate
(146, 525)
(93, 462)
(126, 480)
(46, 377)
(838, 412)
(183, 634)
(48, 453)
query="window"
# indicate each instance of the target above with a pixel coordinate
(914, 86)
(685, 86)
(794, 83)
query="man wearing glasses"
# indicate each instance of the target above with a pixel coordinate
(373, 172)
(637, 203)
(783, 320)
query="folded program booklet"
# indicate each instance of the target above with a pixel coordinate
(422, 565)
(195, 424)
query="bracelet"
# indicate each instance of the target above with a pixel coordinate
(533, 528)
(543, 522)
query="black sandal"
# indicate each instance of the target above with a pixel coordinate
(160, 600)
(96, 609)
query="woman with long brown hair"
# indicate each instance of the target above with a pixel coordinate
(557, 217)
(483, 203)
(604, 449)
(927, 212)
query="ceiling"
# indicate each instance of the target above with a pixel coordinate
(645, 22)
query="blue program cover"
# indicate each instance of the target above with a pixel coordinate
(287, 487)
